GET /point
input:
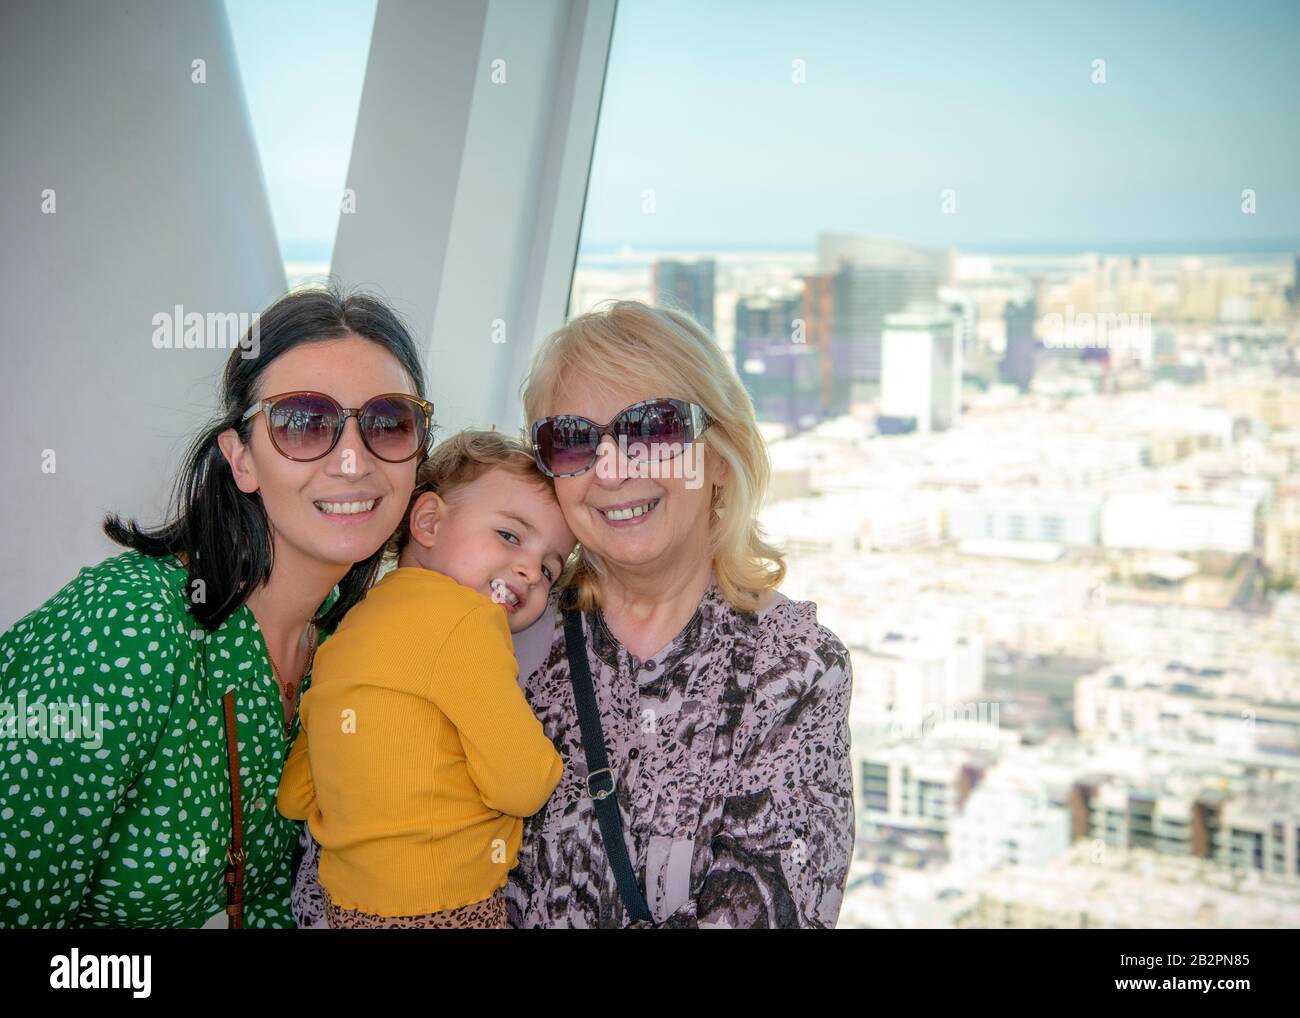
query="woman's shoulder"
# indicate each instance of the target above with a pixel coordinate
(131, 573)
(789, 630)
(136, 567)
(124, 594)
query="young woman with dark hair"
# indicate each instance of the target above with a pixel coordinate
(207, 627)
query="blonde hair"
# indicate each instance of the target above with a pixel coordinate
(628, 344)
(461, 460)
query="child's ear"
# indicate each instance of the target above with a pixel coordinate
(427, 515)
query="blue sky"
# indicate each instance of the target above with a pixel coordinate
(901, 101)
(303, 63)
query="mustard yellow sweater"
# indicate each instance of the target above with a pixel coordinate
(418, 755)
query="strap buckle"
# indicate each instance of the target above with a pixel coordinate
(603, 792)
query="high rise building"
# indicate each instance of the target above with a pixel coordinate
(767, 318)
(1018, 361)
(833, 349)
(783, 379)
(862, 297)
(779, 368)
(920, 376)
(870, 278)
(686, 286)
(835, 250)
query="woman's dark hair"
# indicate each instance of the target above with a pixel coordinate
(224, 532)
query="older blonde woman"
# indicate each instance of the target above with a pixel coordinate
(722, 705)
(707, 779)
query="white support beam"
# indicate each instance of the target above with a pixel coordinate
(469, 169)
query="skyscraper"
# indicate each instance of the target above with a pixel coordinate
(780, 370)
(874, 277)
(766, 317)
(818, 314)
(863, 296)
(686, 286)
(920, 378)
(783, 379)
(837, 249)
(1018, 361)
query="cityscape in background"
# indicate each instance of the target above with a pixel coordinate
(1051, 504)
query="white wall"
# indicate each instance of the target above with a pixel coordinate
(159, 201)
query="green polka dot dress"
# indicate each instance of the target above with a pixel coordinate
(114, 791)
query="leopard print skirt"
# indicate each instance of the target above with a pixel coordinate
(488, 914)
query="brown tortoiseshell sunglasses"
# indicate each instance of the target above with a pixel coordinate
(306, 425)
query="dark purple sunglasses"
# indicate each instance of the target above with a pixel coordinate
(649, 431)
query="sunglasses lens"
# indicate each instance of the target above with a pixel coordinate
(393, 428)
(304, 426)
(654, 431)
(567, 445)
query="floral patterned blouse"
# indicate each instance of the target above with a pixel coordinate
(114, 785)
(731, 749)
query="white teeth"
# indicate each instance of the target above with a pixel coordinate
(631, 513)
(347, 508)
(501, 593)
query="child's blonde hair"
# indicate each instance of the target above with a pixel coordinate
(462, 459)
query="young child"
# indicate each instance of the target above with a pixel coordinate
(419, 756)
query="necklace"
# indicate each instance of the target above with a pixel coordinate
(288, 690)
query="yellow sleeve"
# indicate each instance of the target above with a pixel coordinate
(475, 683)
(297, 795)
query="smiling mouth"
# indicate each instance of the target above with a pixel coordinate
(630, 512)
(358, 508)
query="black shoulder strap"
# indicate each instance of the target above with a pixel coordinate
(600, 778)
